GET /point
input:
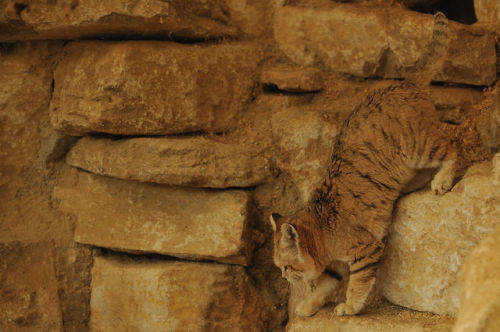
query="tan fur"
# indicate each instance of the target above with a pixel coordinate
(381, 147)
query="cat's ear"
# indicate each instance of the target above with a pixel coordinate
(275, 218)
(289, 237)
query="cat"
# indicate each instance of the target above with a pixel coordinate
(381, 146)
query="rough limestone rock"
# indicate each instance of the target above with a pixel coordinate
(480, 294)
(293, 79)
(28, 288)
(382, 318)
(454, 104)
(154, 295)
(430, 238)
(488, 13)
(185, 161)
(359, 40)
(140, 217)
(68, 19)
(488, 124)
(304, 137)
(151, 88)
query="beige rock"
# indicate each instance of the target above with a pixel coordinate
(139, 217)
(151, 88)
(144, 295)
(359, 40)
(488, 13)
(185, 161)
(293, 79)
(304, 138)
(67, 19)
(430, 237)
(28, 288)
(480, 291)
(488, 124)
(454, 104)
(382, 318)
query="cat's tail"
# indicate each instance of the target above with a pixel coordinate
(433, 60)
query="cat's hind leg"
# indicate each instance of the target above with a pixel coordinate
(320, 293)
(362, 273)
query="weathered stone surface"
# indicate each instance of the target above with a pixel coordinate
(151, 88)
(28, 288)
(185, 161)
(304, 138)
(293, 79)
(430, 237)
(359, 40)
(454, 104)
(488, 13)
(382, 318)
(488, 124)
(143, 295)
(480, 291)
(140, 217)
(66, 19)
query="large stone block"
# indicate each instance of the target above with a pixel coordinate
(140, 217)
(387, 42)
(480, 294)
(382, 318)
(185, 161)
(28, 288)
(430, 238)
(488, 13)
(142, 295)
(67, 19)
(151, 88)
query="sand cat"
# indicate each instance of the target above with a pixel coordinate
(381, 146)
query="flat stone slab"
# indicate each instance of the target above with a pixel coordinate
(29, 298)
(382, 318)
(153, 295)
(387, 42)
(183, 161)
(66, 19)
(138, 217)
(151, 88)
(431, 236)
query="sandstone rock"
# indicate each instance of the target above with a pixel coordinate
(139, 217)
(383, 318)
(488, 13)
(66, 19)
(480, 291)
(151, 88)
(28, 288)
(488, 124)
(359, 40)
(304, 138)
(454, 104)
(292, 79)
(430, 237)
(185, 161)
(144, 295)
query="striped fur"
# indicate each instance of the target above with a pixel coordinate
(382, 145)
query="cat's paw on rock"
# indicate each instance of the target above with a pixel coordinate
(343, 309)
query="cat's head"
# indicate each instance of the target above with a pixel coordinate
(294, 249)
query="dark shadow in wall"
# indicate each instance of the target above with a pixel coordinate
(457, 10)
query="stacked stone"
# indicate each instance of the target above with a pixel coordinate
(175, 151)
(155, 193)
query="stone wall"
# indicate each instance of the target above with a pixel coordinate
(143, 145)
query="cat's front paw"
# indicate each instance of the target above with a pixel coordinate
(343, 309)
(305, 309)
(441, 184)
